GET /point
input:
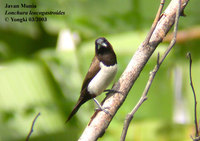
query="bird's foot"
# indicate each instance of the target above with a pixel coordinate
(100, 108)
(109, 91)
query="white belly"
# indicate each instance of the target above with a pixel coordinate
(102, 79)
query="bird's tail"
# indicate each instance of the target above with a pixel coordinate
(77, 106)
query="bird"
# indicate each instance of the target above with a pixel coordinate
(102, 71)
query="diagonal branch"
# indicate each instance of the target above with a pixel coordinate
(100, 121)
(151, 77)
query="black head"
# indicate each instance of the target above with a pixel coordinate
(105, 52)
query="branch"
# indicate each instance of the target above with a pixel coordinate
(155, 22)
(100, 120)
(195, 100)
(33, 123)
(129, 117)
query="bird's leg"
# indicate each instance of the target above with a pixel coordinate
(109, 91)
(100, 107)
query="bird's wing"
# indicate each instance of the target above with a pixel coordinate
(93, 70)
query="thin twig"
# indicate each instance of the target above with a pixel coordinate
(151, 77)
(146, 41)
(33, 123)
(195, 100)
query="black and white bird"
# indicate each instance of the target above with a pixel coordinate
(100, 74)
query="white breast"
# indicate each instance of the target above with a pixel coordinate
(102, 79)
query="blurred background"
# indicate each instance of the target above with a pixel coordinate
(43, 64)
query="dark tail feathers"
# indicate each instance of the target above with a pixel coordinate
(78, 105)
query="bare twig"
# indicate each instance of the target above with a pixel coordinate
(195, 100)
(100, 121)
(33, 123)
(146, 41)
(129, 117)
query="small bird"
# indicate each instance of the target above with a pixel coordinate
(100, 74)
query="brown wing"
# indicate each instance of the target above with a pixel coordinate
(93, 70)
